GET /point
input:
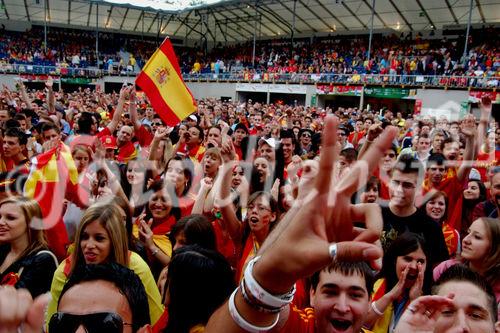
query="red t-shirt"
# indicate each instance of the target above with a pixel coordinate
(126, 151)
(454, 190)
(299, 321)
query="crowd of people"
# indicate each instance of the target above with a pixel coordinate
(406, 54)
(244, 217)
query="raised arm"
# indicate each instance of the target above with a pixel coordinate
(469, 130)
(321, 230)
(133, 110)
(483, 124)
(373, 132)
(124, 92)
(222, 190)
(201, 197)
(24, 94)
(51, 100)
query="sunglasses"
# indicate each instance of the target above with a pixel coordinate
(99, 322)
(156, 124)
(306, 135)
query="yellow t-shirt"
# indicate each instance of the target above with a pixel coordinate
(136, 264)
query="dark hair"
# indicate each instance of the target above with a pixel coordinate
(127, 187)
(469, 205)
(350, 154)
(348, 269)
(423, 136)
(85, 123)
(47, 126)
(199, 281)
(372, 183)
(435, 195)
(188, 169)
(16, 132)
(404, 244)
(202, 133)
(159, 185)
(437, 159)
(461, 273)
(407, 163)
(273, 204)
(448, 140)
(197, 230)
(124, 279)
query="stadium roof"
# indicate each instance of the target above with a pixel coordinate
(238, 20)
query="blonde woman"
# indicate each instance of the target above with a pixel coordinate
(101, 238)
(25, 261)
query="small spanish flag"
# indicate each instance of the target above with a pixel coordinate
(161, 80)
(53, 177)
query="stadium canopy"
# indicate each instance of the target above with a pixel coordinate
(239, 20)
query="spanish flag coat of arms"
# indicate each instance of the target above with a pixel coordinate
(161, 80)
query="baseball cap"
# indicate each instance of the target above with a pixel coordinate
(193, 118)
(272, 142)
(109, 142)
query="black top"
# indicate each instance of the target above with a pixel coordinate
(37, 271)
(418, 223)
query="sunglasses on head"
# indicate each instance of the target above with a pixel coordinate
(99, 322)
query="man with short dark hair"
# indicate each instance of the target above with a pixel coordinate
(106, 298)
(402, 215)
(14, 165)
(339, 297)
(462, 302)
(445, 174)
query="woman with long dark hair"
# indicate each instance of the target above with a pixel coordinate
(405, 275)
(472, 195)
(198, 282)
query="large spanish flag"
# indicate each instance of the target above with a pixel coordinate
(53, 175)
(161, 80)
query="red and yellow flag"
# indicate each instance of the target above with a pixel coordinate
(161, 80)
(53, 175)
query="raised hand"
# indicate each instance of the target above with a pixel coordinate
(421, 315)
(416, 289)
(145, 230)
(374, 131)
(19, 313)
(399, 288)
(49, 83)
(324, 215)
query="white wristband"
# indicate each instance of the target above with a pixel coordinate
(242, 323)
(376, 310)
(273, 301)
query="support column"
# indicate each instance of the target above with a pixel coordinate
(361, 99)
(371, 32)
(464, 57)
(45, 24)
(254, 38)
(97, 34)
(293, 21)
